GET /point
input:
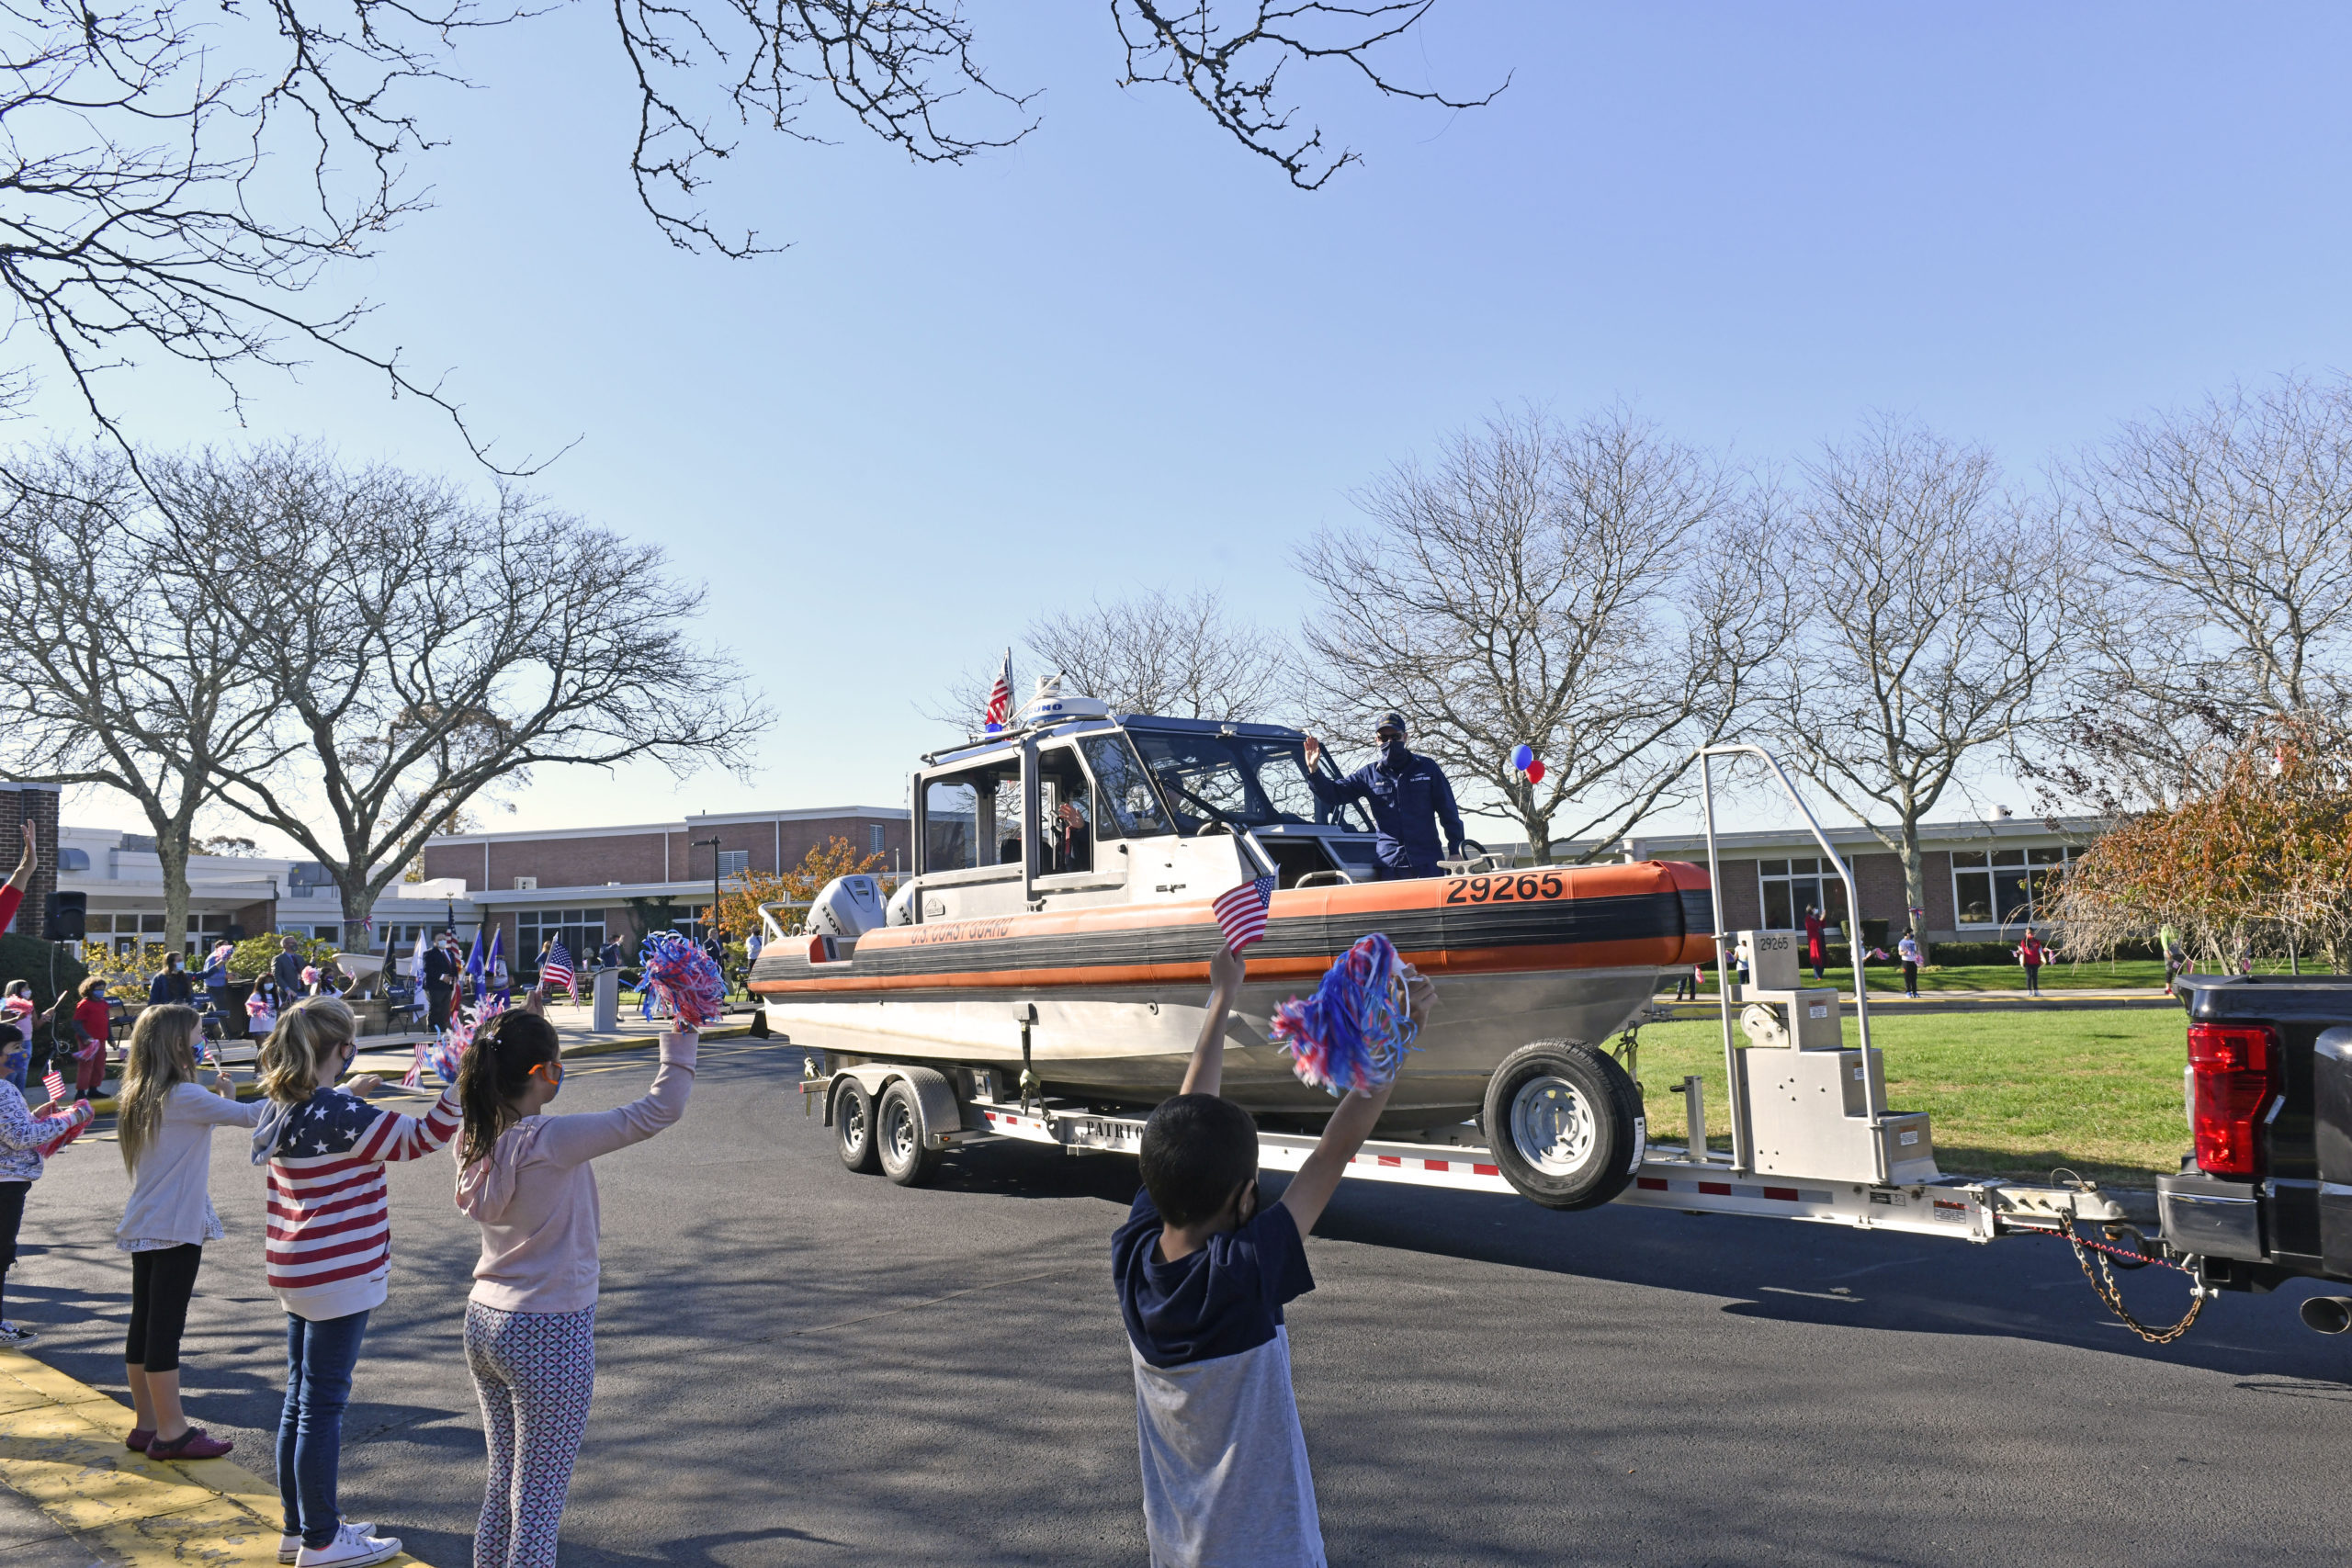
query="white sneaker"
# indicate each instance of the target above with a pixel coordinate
(287, 1545)
(352, 1547)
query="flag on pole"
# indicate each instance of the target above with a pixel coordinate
(556, 970)
(473, 966)
(54, 1081)
(1001, 696)
(1242, 913)
(497, 960)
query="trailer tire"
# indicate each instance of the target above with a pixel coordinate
(900, 1137)
(1562, 1121)
(853, 1137)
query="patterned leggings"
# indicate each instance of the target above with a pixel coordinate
(535, 1373)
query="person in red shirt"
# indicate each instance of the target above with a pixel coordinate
(93, 1017)
(2031, 952)
(1816, 940)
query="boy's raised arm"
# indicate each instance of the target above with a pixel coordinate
(1206, 1075)
(1350, 1125)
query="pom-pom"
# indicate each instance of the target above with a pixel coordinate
(1522, 755)
(449, 1047)
(684, 978)
(1355, 1032)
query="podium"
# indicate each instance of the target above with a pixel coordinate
(606, 1018)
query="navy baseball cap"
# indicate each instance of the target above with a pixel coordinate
(1392, 719)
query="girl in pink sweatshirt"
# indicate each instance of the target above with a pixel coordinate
(531, 1321)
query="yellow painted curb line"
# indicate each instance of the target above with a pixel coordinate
(61, 1448)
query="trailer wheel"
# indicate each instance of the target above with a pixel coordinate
(899, 1135)
(853, 1137)
(1561, 1119)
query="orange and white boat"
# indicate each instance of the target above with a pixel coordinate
(1058, 924)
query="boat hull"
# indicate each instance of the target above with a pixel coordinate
(1113, 995)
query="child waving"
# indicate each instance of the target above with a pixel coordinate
(531, 1323)
(329, 1253)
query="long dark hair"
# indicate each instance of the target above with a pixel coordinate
(496, 1068)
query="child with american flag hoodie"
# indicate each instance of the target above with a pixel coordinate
(329, 1254)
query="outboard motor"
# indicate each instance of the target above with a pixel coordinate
(846, 909)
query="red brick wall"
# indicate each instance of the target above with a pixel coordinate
(1878, 879)
(37, 808)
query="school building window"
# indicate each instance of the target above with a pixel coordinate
(874, 839)
(583, 931)
(2005, 888)
(1790, 886)
(734, 862)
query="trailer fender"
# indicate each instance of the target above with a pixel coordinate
(941, 1115)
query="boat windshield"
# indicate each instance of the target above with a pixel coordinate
(1247, 781)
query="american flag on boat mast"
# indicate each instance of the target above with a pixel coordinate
(999, 707)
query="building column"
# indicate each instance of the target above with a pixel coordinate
(33, 806)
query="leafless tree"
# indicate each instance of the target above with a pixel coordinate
(1931, 629)
(1594, 590)
(2218, 565)
(1159, 652)
(420, 648)
(1163, 652)
(123, 672)
(175, 179)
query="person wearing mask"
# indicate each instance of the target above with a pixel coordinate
(1908, 950)
(215, 977)
(1409, 798)
(94, 1024)
(1816, 940)
(164, 1118)
(2032, 953)
(439, 978)
(25, 1131)
(288, 966)
(16, 1006)
(172, 985)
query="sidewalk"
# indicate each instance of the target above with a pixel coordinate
(72, 1496)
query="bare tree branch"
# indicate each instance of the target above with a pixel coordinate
(1234, 71)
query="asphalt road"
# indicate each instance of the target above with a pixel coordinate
(802, 1366)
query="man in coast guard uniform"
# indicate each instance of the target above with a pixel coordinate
(1409, 798)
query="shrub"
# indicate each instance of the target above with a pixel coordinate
(126, 970)
(252, 957)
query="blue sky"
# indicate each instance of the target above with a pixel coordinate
(1126, 352)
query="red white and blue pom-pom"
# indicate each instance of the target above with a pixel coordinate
(684, 977)
(448, 1048)
(1353, 1034)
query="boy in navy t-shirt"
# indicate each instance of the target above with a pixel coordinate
(1202, 1270)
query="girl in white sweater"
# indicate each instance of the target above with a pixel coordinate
(164, 1118)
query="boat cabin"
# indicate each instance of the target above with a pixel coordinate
(1078, 807)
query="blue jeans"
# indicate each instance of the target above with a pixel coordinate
(319, 1358)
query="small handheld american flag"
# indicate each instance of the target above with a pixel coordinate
(556, 970)
(1000, 706)
(1242, 913)
(54, 1081)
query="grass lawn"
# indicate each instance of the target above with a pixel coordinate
(2010, 1094)
(2127, 975)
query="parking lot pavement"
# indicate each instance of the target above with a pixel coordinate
(797, 1366)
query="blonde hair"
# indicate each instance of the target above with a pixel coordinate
(162, 1056)
(308, 1034)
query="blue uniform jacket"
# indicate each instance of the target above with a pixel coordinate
(1406, 804)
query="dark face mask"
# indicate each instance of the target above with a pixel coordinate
(1394, 753)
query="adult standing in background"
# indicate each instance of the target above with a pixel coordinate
(1908, 950)
(287, 969)
(2032, 951)
(1409, 797)
(215, 977)
(1816, 940)
(440, 977)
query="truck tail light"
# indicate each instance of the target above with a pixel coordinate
(2237, 1071)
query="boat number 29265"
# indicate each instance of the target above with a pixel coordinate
(1527, 886)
